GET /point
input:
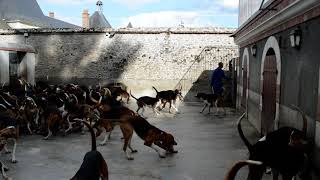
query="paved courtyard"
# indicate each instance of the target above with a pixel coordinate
(208, 145)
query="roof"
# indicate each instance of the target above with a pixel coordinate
(4, 25)
(29, 12)
(97, 20)
(56, 23)
(129, 25)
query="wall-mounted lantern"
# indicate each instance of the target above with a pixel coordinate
(295, 38)
(254, 50)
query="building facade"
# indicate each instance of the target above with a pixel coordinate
(17, 61)
(278, 66)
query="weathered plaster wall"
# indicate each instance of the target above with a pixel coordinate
(299, 80)
(299, 73)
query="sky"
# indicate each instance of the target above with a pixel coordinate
(150, 13)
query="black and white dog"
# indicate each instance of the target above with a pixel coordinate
(146, 101)
(208, 99)
(169, 96)
(281, 150)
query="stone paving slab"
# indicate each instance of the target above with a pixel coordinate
(208, 145)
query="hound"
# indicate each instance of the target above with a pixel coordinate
(170, 97)
(152, 136)
(110, 119)
(9, 130)
(287, 158)
(93, 166)
(208, 100)
(146, 101)
(7, 133)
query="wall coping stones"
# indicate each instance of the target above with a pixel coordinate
(175, 30)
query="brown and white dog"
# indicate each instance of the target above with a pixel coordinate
(169, 96)
(93, 166)
(110, 119)
(119, 93)
(146, 101)
(54, 123)
(152, 136)
(7, 133)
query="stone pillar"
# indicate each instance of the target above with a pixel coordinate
(51, 14)
(85, 18)
(4, 67)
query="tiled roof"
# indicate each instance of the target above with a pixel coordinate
(29, 12)
(97, 20)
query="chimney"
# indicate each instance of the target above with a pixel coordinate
(51, 14)
(85, 18)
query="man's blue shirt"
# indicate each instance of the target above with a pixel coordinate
(216, 79)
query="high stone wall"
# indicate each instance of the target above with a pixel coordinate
(139, 57)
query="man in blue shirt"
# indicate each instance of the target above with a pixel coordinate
(216, 79)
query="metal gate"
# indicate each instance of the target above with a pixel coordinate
(269, 92)
(244, 84)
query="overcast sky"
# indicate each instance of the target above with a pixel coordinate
(150, 13)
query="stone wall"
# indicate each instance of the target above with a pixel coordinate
(140, 57)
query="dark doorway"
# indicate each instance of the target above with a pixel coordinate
(269, 92)
(15, 59)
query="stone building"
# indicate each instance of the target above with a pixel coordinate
(279, 64)
(27, 14)
(17, 61)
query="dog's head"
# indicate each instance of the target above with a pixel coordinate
(178, 94)
(166, 142)
(297, 139)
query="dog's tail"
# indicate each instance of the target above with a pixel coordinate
(305, 121)
(155, 89)
(107, 92)
(133, 96)
(95, 101)
(244, 139)
(236, 167)
(93, 137)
